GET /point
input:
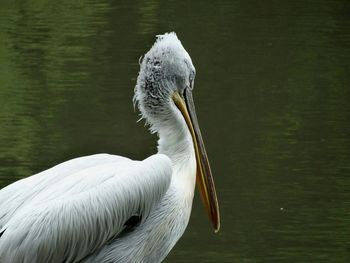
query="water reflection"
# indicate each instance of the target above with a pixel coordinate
(272, 99)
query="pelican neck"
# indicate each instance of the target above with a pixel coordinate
(176, 142)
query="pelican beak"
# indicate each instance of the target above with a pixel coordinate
(204, 177)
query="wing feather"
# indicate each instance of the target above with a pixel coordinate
(20, 193)
(77, 215)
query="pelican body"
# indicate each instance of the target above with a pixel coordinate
(108, 208)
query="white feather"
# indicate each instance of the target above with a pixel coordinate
(72, 218)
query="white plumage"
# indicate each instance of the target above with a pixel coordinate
(79, 211)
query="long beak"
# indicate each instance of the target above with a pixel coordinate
(204, 177)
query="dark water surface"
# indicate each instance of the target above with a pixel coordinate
(272, 95)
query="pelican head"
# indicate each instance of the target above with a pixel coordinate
(163, 94)
(165, 69)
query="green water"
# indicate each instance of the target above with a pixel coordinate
(272, 95)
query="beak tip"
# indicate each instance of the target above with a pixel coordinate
(216, 228)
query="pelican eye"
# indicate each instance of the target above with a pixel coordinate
(191, 79)
(192, 84)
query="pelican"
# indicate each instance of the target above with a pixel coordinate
(108, 208)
